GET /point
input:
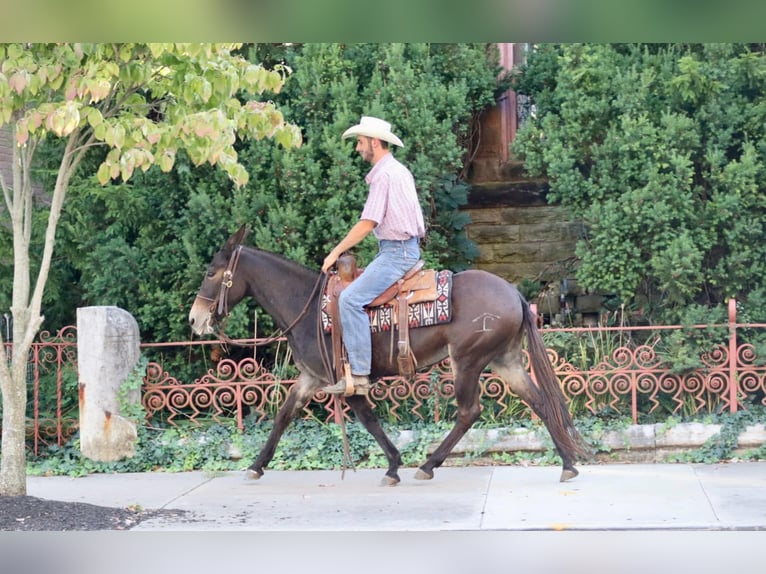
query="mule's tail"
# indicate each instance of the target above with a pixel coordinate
(561, 427)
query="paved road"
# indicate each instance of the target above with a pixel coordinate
(622, 519)
(501, 498)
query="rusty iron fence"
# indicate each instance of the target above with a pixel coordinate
(52, 397)
(616, 370)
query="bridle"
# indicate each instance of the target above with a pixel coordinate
(220, 304)
(227, 281)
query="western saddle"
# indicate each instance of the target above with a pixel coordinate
(416, 286)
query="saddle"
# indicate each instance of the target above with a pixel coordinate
(417, 285)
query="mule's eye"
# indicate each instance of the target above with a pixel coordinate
(211, 273)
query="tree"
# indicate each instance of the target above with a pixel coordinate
(661, 151)
(142, 103)
(298, 201)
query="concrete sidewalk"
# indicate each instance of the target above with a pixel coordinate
(487, 499)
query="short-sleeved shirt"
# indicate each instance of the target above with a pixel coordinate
(392, 202)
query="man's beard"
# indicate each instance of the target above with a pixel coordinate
(367, 153)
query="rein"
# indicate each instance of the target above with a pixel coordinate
(327, 364)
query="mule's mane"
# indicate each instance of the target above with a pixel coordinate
(282, 261)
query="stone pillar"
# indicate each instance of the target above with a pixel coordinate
(107, 352)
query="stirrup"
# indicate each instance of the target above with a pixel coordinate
(360, 385)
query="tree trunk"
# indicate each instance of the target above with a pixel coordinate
(13, 466)
(27, 317)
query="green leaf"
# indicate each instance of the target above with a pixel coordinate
(103, 174)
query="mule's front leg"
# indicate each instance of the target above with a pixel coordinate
(364, 415)
(297, 398)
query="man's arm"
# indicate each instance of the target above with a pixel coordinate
(361, 229)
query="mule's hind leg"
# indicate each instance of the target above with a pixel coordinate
(298, 397)
(467, 394)
(366, 416)
(512, 372)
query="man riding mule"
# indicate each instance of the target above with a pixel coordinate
(486, 329)
(392, 213)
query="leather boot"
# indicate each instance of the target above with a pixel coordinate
(360, 385)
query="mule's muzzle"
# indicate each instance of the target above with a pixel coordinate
(201, 318)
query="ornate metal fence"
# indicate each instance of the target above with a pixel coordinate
(52, 397)
(615, 370)
(729, 375)
(626, 379)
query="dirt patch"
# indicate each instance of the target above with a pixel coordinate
(38, 514)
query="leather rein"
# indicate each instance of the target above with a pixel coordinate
(220, 305)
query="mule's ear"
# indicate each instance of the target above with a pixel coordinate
(237, 238)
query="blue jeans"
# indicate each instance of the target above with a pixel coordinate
(393, 260)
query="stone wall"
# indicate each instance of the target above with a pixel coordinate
(516, 242)
(646, 443)
(520, 237)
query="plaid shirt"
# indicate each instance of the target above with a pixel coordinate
(392, 202)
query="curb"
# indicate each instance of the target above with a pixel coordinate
(650, 443)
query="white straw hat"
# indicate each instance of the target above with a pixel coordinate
(373, 128)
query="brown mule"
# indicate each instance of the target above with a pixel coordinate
(490, 319)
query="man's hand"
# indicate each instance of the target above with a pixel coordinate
(361, 229)
(329, 261)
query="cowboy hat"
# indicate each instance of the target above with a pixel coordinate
(373, 128)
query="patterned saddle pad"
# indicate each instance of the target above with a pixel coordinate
(383, 318)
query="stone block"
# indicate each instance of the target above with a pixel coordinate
(752, 437)
(685, 435)
(547, 232)
(516, 252)
(107, 353)
(548, 304)
(634, 437)
(533, 215)
(500, 440)
(571, 286)
(494, 234)
(511, 272)
(588, 303)
(485, 216)
(557, 252)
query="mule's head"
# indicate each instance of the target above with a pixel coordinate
(221, 288)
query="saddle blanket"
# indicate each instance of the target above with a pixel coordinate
(424, 314)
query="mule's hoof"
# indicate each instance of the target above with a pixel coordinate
(389, 481)
(423, 475)
(251, 474)
(568, 474)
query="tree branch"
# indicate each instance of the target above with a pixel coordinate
(6, 195)
(69, 162)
